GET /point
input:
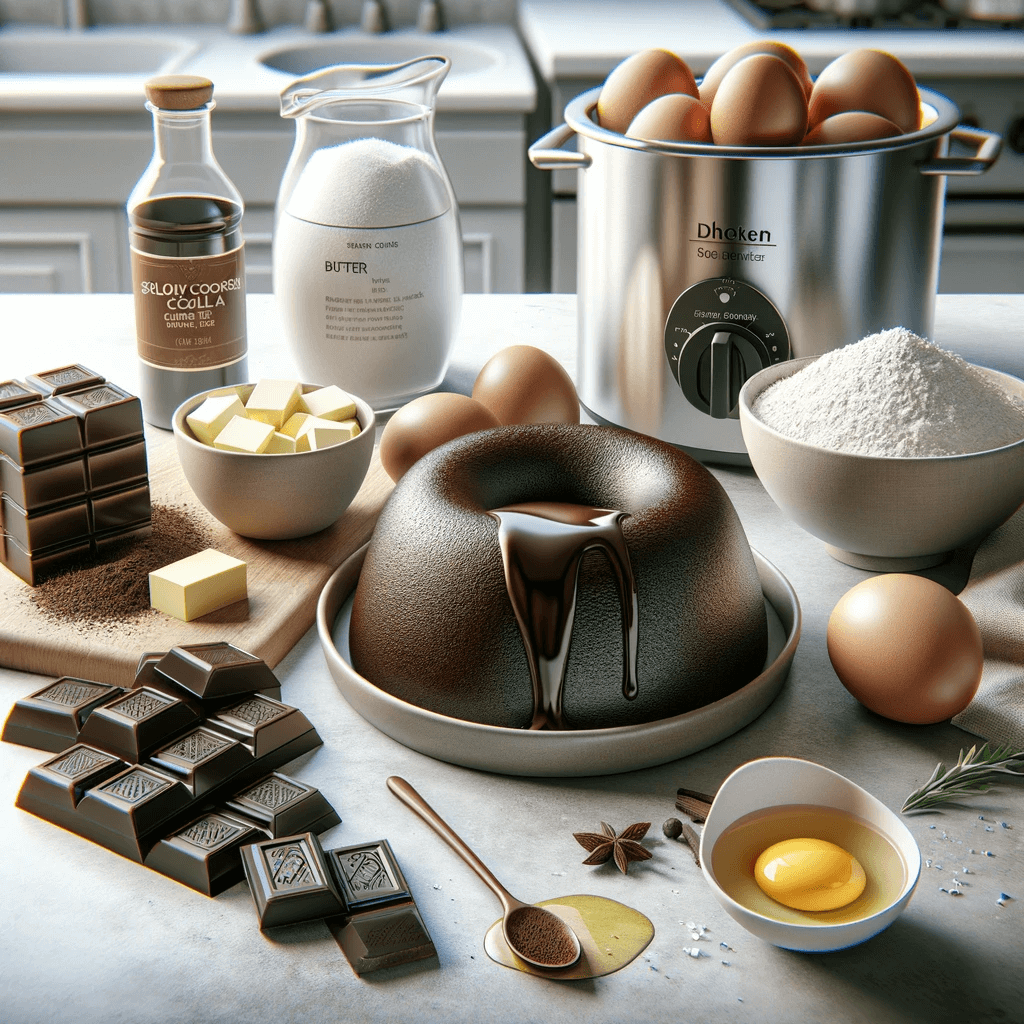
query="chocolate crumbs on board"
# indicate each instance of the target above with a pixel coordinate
(117, 588)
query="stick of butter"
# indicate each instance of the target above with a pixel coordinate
(198, 585)
(212, 416)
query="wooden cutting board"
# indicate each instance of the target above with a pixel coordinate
(284, 583)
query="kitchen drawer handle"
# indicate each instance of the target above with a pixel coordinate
(545, 154)
(988, 146)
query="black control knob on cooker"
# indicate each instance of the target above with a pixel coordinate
(718, 334)
(1015, 135)
(715, 362)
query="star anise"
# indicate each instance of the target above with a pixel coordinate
(624, 847)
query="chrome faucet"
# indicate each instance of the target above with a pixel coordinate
(244, 18)
(76, 14)
(374, 18)
(429, 17)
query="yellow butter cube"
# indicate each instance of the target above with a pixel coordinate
(273, 401)
(198, 585)
(329, 403)
(280, 444)
(293, 424)
(241, 434)
(210, 418)
(324, 433)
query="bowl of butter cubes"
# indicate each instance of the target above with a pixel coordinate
(276, 459)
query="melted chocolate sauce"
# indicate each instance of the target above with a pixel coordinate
(542, 546)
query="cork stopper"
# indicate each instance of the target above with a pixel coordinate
(179, 92)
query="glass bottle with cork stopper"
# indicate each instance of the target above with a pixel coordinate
(187, 255)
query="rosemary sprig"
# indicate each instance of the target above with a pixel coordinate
(974, 772)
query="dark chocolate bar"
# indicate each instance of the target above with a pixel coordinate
(36, 565)
(284, 807)
(51, 718)
(368, 876)
(13, 392)
(36, 487)
(116, 466)
(69, 441)
(38, 432)
(49, 528)
(290, 881)
(215, 670)
(134, 725)
(147, 773)
(205, 853)
(63, 379)
(106, 414)
(386, 937)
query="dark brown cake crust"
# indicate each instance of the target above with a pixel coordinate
(432, 622)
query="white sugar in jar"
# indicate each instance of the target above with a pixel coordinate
(368, 270)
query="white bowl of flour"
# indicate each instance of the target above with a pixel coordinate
(890, 451)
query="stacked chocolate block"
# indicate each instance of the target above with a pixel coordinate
(359, 891)
(177, 772)
(73, 471)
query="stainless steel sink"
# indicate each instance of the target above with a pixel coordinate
(92, 52)
(467, 56)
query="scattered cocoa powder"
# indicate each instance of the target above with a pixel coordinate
(117, 587)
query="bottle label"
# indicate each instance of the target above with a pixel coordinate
(190, 311)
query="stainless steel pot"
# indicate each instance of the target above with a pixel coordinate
(699, 265)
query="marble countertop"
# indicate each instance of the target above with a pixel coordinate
(90, 934)
(701, 30)
(502, 82)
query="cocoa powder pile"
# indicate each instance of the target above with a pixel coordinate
(117, 588)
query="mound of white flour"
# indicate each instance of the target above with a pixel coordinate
(893, 394)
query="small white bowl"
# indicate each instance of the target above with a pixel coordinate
(274, 497)
(880, 513)
(780, 781)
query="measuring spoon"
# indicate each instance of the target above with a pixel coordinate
(534, 934)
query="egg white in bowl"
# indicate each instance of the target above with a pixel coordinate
(771, 799)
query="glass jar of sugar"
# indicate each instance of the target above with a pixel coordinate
(367, 251)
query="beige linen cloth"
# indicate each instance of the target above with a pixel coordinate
(995, 595)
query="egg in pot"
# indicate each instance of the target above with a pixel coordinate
(870, 80)
(906, 647)
(639, 79)
(709, 84)
(850, 126)
(809, 874)
(673, 118)
(760, 102)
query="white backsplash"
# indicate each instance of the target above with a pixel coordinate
(344, 13)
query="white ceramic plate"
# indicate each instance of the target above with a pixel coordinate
(577, 752)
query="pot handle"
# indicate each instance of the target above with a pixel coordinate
(546, 155)
(987, 146)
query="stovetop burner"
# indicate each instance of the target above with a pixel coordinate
(883, 14)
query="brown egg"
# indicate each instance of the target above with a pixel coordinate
(906, 647)
(851, 126)
(639, 79)
(523, 384)
(426, 423)
(673, 118)
(713, 79)
(869, 80)
(760, 102)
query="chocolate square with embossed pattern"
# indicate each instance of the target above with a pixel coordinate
(202, 759)
(13, 392)
(264, 725)
(38, 432)
(106, 414)
(64, 378)
(204, 854)
(385, 937)
(134, 725)
(216, 670)
(285, 806)
(50, 718)
(368, 875)
(290, 881)
(53, 789)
